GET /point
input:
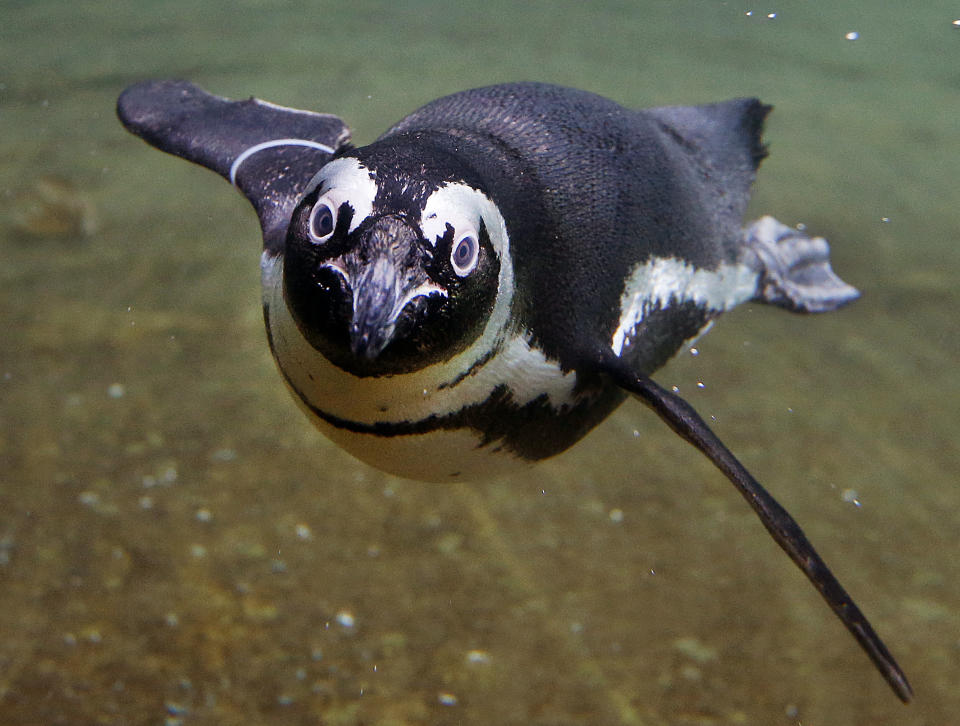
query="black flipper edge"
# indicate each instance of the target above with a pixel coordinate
(685, 421)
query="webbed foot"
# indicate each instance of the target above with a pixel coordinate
(794, 269)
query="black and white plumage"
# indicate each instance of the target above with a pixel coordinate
(487, 281)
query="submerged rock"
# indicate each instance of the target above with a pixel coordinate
(51, 207)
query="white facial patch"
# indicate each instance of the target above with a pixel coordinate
(463, 207)
(347, 180)
(457, 205)
(664, 281)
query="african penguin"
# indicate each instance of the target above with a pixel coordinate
(487, 281)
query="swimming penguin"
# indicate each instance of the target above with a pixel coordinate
(487, 281)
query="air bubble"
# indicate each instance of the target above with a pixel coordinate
(850, 496)
(852, 35)
(478, 656)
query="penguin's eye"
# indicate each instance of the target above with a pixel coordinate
(464, 255)
(322, 222)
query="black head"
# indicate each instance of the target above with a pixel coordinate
(393, 257)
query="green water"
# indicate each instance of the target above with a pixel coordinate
(179, 546)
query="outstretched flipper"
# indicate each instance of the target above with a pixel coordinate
(685, 421)
(267, 151)
(794, 269)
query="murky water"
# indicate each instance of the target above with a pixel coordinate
(178, 546)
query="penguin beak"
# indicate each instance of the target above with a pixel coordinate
(386, 273)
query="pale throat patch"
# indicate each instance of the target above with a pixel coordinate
(664, 281)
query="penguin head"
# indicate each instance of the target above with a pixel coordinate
(392, 258)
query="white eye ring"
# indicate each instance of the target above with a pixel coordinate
(465, 254)
(322, 221)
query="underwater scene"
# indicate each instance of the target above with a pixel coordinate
(179, 545)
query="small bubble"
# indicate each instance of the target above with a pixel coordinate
(447, 699)
(224, 455)
(616, 515)
(701, 384)
(885, 220)
(116, 390)
(198, 551)
(175, 709)
(478, 656)
(850, 496)
(749, 13)
(88, 498)
(675, 389)
(852, 35)
(956, 23)
(204, 515)
(303, 531)
(694, 352)
(771, 16)
(345, 619)
(171, 619)
(146, 502)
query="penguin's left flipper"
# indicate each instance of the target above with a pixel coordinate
(685, 421)
(268, 152)
(794, 269)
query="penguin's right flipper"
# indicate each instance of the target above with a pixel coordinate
(795, 271)
(685, 421)
(269, 152)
